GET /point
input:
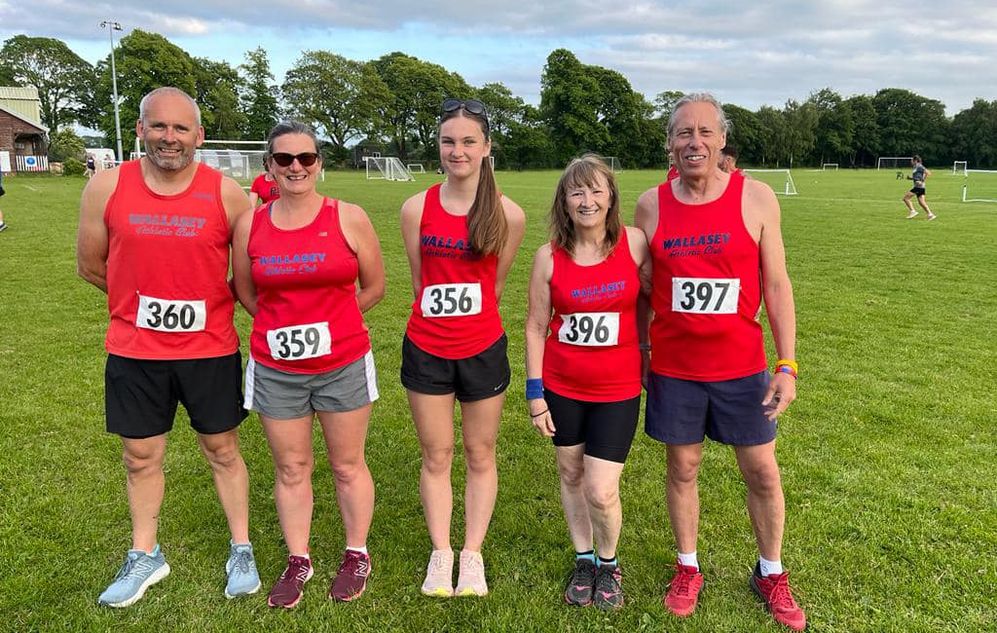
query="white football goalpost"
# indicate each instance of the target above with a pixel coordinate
(829, 167)
(415, 168)
(386, 168)
(980, 186)
(960, 167)
(614, 163)
(893, 162)
(781, 180)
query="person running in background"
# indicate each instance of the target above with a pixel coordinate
(919, 174)
(264, 189)
(583, 365)
(306, 267)
(154, 235)
(461, 237)
(717, 251)
(91, 167)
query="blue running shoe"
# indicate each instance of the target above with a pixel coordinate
(139, 572)
(243, 579)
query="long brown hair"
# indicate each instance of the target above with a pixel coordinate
(584, 172)
(487, 227)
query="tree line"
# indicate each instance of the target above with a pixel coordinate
(390, 104)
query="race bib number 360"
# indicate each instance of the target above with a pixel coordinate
(170, 315)
(705, 296)
(591, 329)
(300, 342)
(448, 300)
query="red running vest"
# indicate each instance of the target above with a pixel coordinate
(456, 315)
(591, 352)
(706, 289)
(307, 319)
(167, 269)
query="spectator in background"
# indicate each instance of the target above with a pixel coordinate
(919, 174)
(264, 188)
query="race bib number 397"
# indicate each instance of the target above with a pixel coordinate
(449, 300)
(705, 296)
(170, 315)
(591, 329)
(300, 342)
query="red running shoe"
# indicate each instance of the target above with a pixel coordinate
(774, 590)
(683, 592)
(351, 579)
(289, 588)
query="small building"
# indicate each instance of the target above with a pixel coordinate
(23, 138)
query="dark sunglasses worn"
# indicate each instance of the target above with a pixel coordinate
(307, 159)
(472, 106)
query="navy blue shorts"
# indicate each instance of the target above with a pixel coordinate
(727, 411)
(605, 428)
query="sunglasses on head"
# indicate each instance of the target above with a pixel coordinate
(471, 106)
(306, 159)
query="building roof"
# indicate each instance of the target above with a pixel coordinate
(22, 102)
(19, 116)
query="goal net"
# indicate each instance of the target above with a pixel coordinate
(781, 180)
(893, 162)
(960, 167)
(386, 168)
(415, 168)
(614, 163)
(980, 186)
(829, 167)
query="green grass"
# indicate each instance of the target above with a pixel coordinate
(889, 456)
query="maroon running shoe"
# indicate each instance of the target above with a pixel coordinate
(288, 589)
(351, 579)
(774, 590)
(683, 593)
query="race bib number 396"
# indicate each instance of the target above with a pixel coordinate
(300, 342)
(449, 300)
(170, 315)
(705, 296)
(591, 329)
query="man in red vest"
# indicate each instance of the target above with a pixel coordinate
(154, 235)
(717, 249)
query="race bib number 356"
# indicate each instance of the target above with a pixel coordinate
(591, 329)
(170, 315)
(300, 342)
(448, 300)
(705, 296)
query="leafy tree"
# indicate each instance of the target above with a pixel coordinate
(145, 61)
(418, 88)
(745, 134)
(835, 126)
(218, 86)
(259, 96)
(570, 97)
(801, 127)
(63, 78)
(665, 102)
(865, 139)
(65, 144)
(772, 135)
(910, 124)
(338, 96)
(974, 134)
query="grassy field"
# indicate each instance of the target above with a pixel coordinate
(889, 456)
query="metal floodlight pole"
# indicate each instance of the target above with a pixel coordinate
(111, 28)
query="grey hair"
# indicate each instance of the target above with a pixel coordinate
(168, 90)
(699, 97)
(290, 127)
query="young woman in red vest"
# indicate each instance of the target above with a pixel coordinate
(306, 267)
(583, 365)
(461, 238)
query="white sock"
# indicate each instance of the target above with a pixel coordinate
(306, 555)
(689, 560)
(362, 550)
(769, 567)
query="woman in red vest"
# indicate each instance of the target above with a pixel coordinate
(306, 267)
(461, 237)
(583, 365)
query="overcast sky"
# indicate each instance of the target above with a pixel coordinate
(749, 53)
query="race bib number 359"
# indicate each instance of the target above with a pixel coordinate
(449, 300)
(300, 342)
(170, 315)
(705, 296)
(591, 329)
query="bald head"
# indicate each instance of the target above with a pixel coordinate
(143, 106)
